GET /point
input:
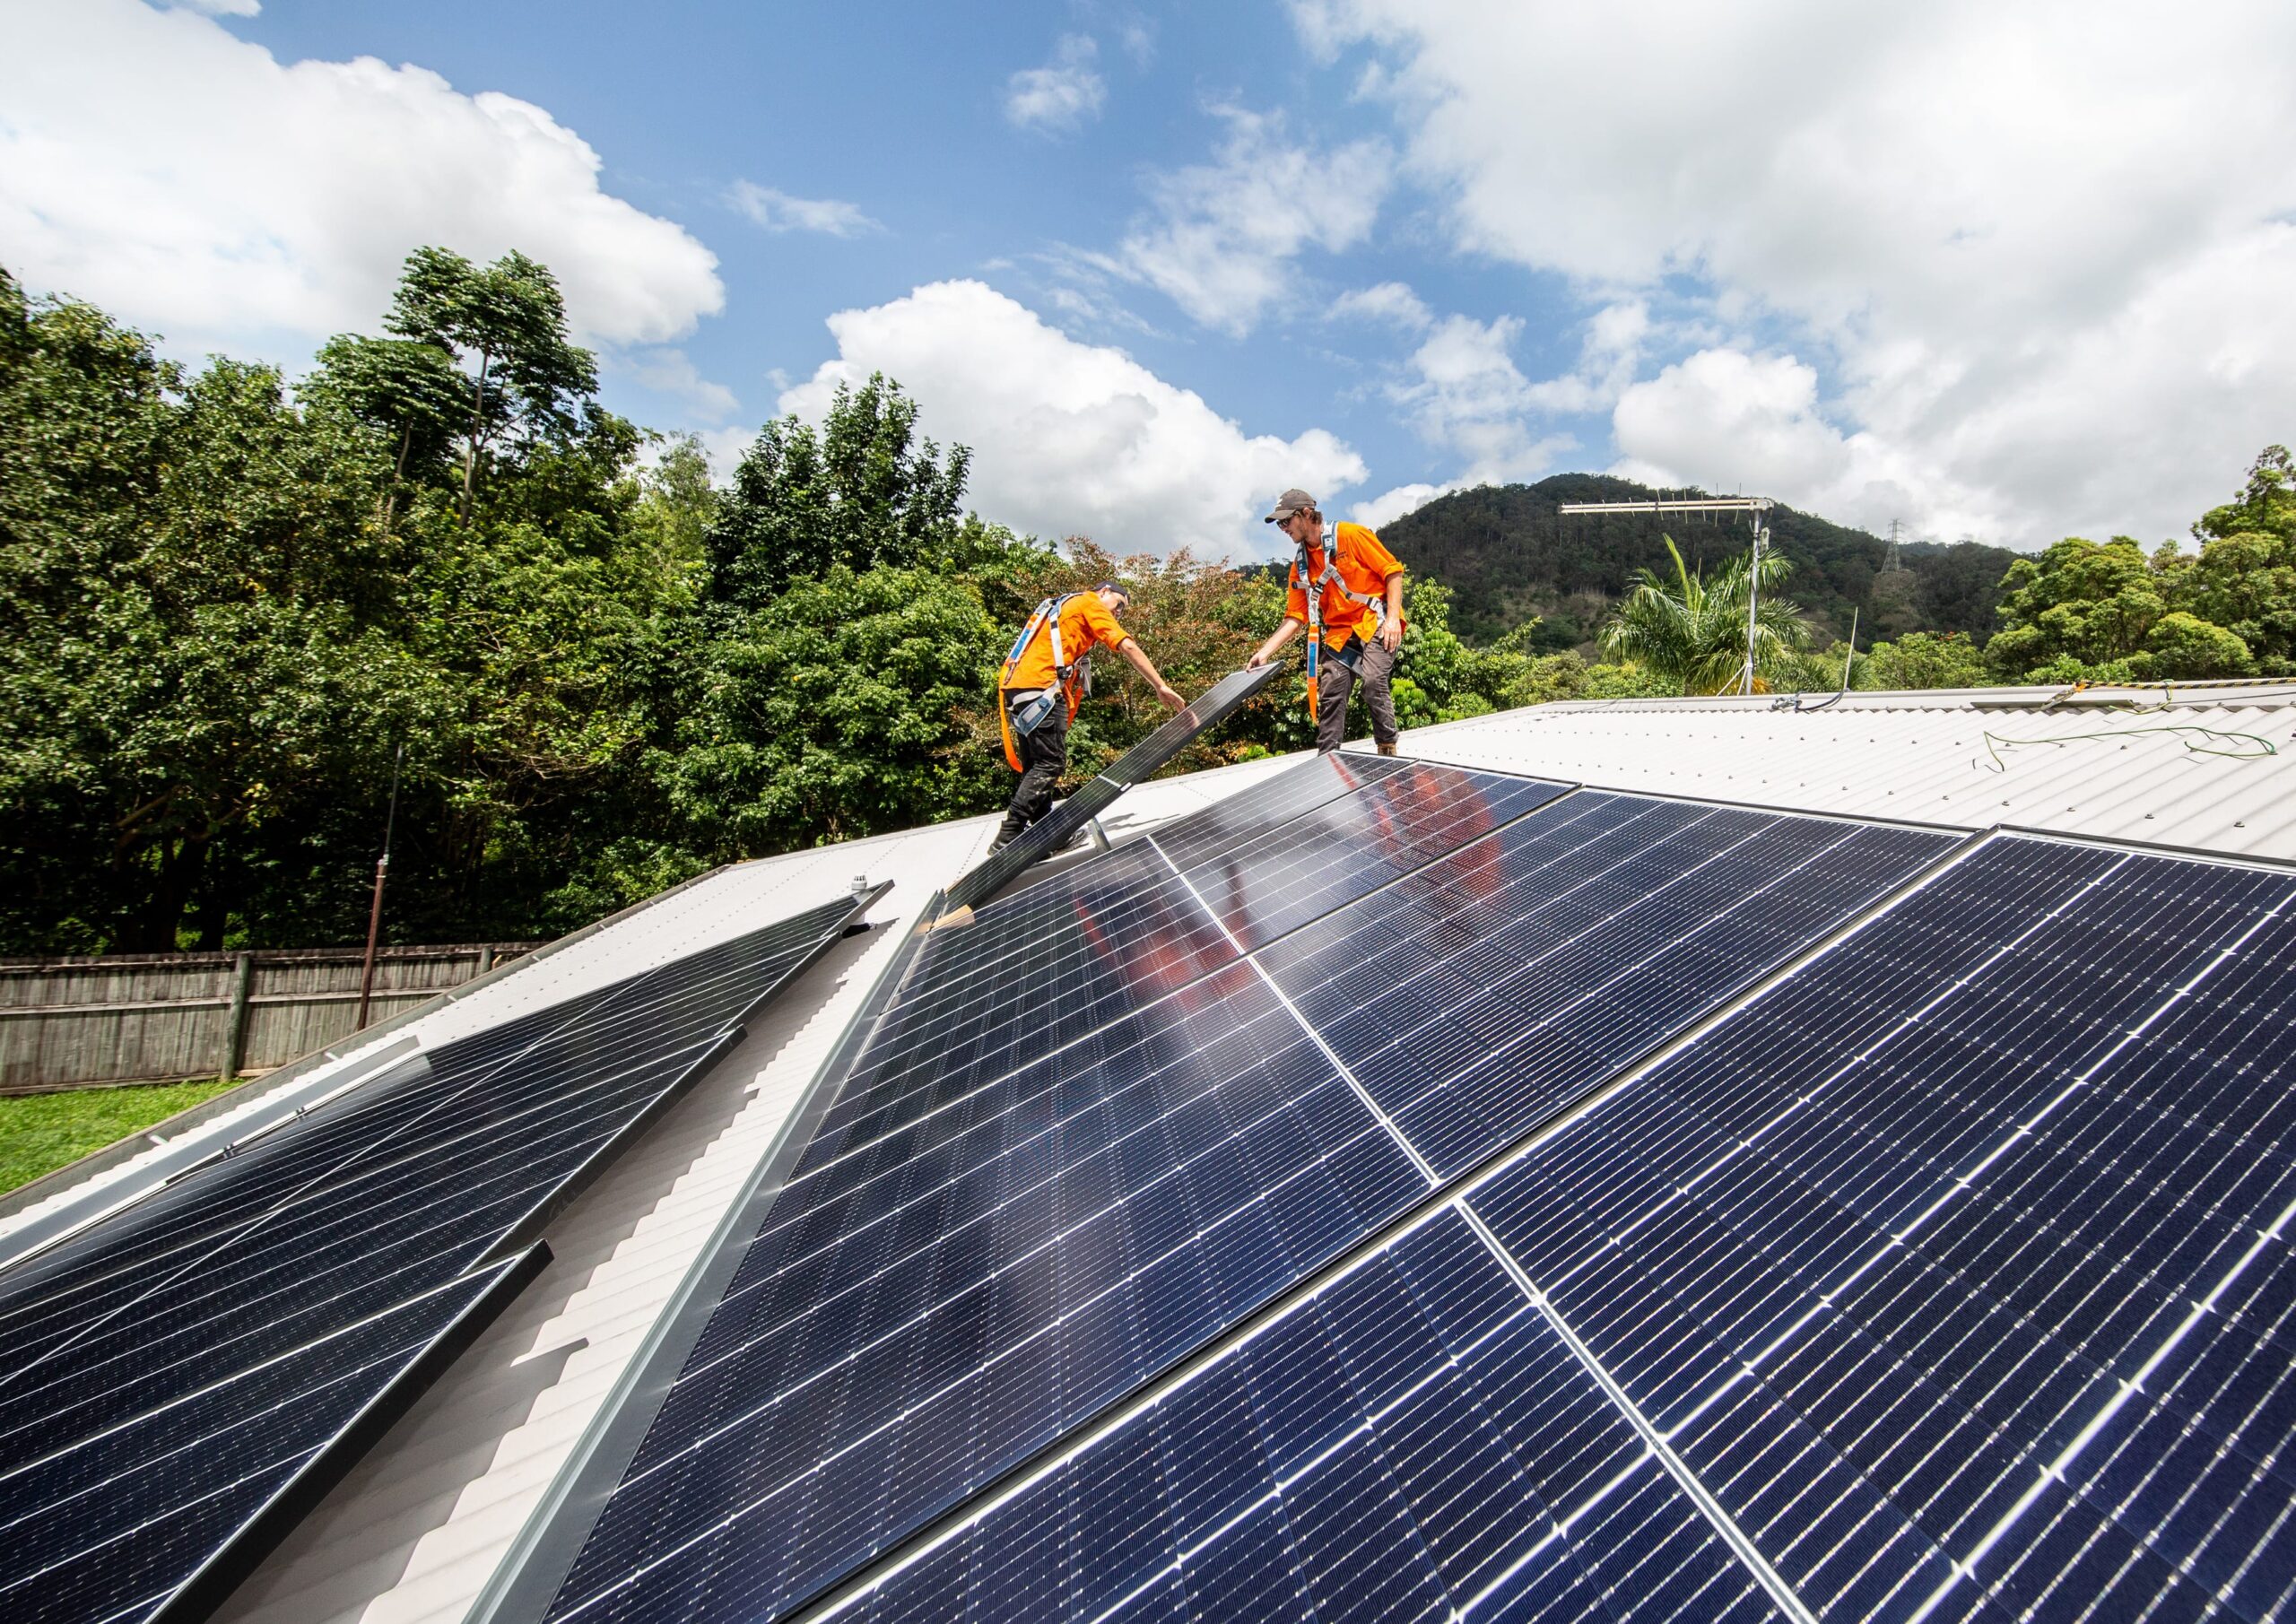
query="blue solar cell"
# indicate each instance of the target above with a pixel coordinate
(1953, 1266)
(1412, 1441)
(1495, 985)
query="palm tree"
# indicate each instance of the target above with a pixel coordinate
(1695, 634)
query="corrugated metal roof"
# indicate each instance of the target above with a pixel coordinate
(421, 1525)
(2212, 769)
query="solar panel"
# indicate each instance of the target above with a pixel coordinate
(1137, 765)
(1047, 965)
(1209, 708)
(333, 1221)
(1947, 1279)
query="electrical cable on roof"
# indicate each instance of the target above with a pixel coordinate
(1994, 743)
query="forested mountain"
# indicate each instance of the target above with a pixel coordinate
(1509, 552)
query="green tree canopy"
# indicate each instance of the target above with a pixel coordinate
(862, 490)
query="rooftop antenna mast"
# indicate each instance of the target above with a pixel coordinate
(1757, 510)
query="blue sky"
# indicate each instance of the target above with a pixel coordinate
(2007, 272)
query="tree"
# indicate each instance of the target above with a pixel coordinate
(1922, 659)
(509, 320)
(2086, 613)
(862, 490)
(1688, 632)
(832, 713)
(409, 391)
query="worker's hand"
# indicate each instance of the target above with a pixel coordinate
(1171, 696)
(1259, 659)
(1391, 633)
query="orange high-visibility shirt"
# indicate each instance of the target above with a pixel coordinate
(1364, 565)
(1085, 623)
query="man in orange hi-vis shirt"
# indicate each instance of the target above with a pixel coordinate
(1042, 683)
(1347, 592)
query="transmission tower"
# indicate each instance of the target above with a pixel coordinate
(1897, 527)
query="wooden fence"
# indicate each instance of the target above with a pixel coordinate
(160, 1017)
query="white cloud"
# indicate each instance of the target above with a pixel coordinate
(776, 211)
(1071, 437)
(1388, 301)
(274, 206)
(1727, 421)
(1463, 394)
(1061, 95)
(1223, 236)
(2031, 246)
(222, 8)
(1390, 506)
(673, 372)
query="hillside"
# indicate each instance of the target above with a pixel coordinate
(1509, 552)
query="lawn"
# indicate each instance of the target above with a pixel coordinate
(42, 1131)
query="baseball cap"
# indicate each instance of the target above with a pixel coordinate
(1290, 502)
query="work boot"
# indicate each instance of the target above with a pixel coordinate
(1388, 748)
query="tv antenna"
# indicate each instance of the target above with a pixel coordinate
(1755, 507)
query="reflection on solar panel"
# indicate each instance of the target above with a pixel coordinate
(172, 1369)
(1137, 765)
(1412, 1441)
(1947, 1279)
(1008, 1220)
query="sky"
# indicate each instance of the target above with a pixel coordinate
(2014, 270)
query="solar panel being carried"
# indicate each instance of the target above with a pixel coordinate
(1947, 1279)
(1137, 765)
(184, 1378)
(1113, 1116)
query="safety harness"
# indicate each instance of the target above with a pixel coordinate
(1375, 601)
(1071, 680)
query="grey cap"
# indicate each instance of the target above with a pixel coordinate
(1295, 501)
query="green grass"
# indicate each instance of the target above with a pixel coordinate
(39, 1133)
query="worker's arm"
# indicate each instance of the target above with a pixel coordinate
(1275, 640)
(1391, 629)
(1137, 657)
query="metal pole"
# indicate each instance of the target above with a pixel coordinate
(374, 910)
(1754, 592)
(235, 1043)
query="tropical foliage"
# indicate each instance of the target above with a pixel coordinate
(1694, 634)
(236, 603)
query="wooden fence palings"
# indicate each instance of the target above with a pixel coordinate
(158, 1018)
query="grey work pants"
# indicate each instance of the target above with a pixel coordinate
(1335, 682)
(1044, 756)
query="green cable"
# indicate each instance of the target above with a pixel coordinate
(2257, 748)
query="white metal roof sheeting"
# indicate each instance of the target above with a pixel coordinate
(2127, 766)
